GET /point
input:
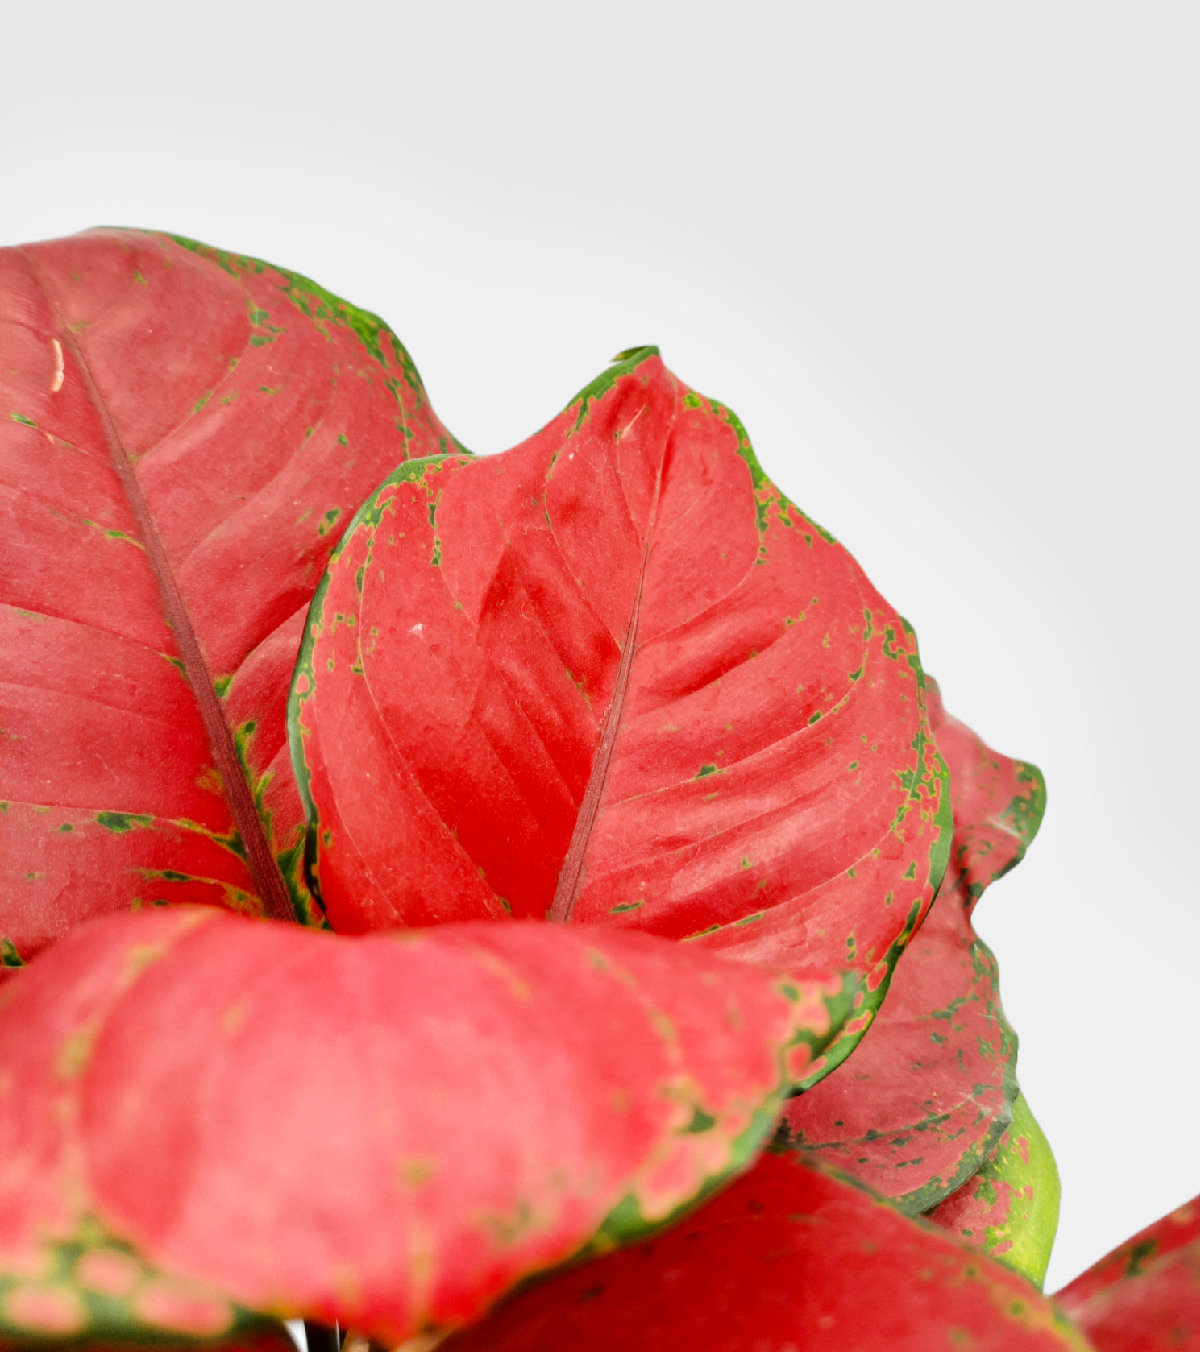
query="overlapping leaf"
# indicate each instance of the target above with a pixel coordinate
(1145, 1295)
(183, 435)
(385, 1131)
(926, 1098)
(1010, 1207)
(788, 1257)
(614, 676)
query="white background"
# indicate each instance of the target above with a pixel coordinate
(941, 258)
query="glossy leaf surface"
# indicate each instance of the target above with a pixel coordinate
(926, 1098)
(183, 434)
(1145, 1295)
(614, 676)
(388, 1131)
(786, 1258)
(1010, 1207)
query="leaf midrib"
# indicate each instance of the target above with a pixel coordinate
(571, 873)
(238, 795)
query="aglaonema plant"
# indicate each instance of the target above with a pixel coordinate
(647, 847)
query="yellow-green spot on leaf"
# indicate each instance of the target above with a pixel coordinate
(204, 398)
(855, 675)
(625, 906)
(122, 821)
(328, 519)
(750, 919)
(712, 929)
(816, 718)
(230, 397)
(22, 419)
(139, 279)
(74, 1052)
(221, 685)
(114, 534)
(911, 871)
(342, 439)
(267, 389)
(9, 957)
(707, 770)
(260, 339)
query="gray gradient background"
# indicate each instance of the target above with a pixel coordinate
(943, 261)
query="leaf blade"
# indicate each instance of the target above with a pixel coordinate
(473, 642)
(927, 1098)
(1009, 1207)
(465, 1106)
(788, 1256)
(1145, 1294)
(248, 411)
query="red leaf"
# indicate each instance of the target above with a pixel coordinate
(614, 676)
(182, 433)
(927, 1096)
(785, 1258)
(386, 1131)
(1145, 1295)
(998, 802)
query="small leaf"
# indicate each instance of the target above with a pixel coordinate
(926, 1098)
(191, 425)
(384, 1132)
(1145, 1295)
(1010, 1207)
(615, 676)
(788, 1257)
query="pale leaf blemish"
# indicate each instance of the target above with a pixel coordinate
(59, 368)
(44, 1309)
